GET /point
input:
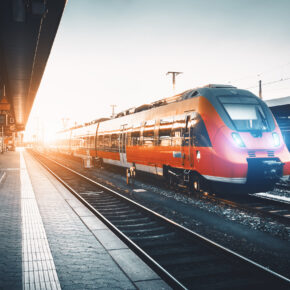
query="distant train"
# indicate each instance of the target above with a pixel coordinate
(281, 110)
(215, 135)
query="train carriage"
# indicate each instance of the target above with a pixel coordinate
(281, 110)
(211, 134)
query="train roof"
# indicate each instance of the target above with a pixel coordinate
(280, 106)
(209, 91)
(278, 102)
(212, 91)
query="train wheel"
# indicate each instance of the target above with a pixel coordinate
(171, 182)
(168, 178)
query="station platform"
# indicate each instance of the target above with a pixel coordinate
(50, 240)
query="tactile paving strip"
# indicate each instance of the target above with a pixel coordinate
(38, 269)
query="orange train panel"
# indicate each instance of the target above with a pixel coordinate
(164, 155)
(108, 155)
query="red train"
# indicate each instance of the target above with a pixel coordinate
(216, 134)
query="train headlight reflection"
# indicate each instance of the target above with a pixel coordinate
(238, 140)
(276, 139)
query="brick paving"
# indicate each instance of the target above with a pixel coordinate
(81, 261)
(10, 225)
(47, 235)
(38, 269)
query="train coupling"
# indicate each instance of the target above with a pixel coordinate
(264, 169)
(273, 169)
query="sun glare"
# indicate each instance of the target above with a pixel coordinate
(97, 62)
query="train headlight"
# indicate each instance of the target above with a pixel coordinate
(238, 140)
(276, 139)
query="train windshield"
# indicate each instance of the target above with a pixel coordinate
(246, 113)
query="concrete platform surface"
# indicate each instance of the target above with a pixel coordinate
(50, 240)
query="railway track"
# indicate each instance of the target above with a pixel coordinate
(285, 185)
(258, 205)
(183, 258)
(276, 210)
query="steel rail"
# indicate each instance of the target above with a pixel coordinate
(257, 206)
(247, 207)
(136, 249)
(158, 268)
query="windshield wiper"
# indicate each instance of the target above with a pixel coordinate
(263, 118)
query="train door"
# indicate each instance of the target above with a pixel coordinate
(122, 145)
(187, 155)
(96, 140)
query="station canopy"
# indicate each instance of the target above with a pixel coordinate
(280, 106)
(27, 32)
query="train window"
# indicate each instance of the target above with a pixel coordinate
(128, 139)
(198, 132)
(246, 113)
(107, 142)
(79, 142)
(165, 131)
(135, 135)
(115, 142)
(247, 117)
(100, 142)
(87, 142)
(178, 126)
(148, 133)
(177, 130)
(84, 142)
(92, 142)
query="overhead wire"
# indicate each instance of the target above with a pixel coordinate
(262, 73)
(270, 83)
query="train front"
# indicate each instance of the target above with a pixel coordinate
(248, 146)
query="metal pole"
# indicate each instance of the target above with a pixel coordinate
(174, 74)
(260, 89)
(113, 110)
(2, 149)
(173, 81)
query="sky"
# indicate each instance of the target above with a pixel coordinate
(117, 52)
